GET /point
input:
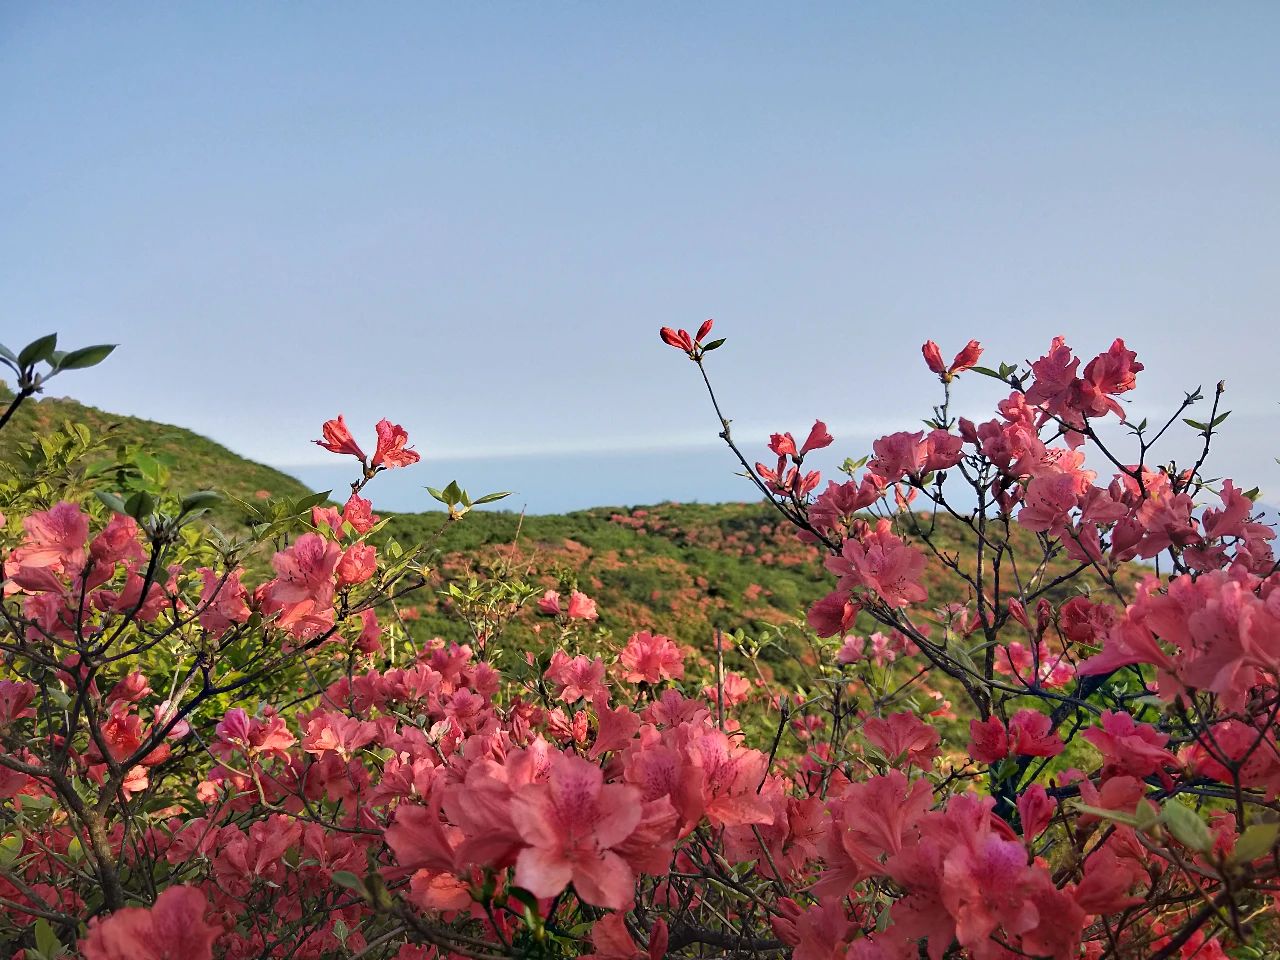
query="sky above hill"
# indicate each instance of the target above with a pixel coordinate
(472, 218)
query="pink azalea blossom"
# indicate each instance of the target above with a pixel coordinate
(883, 564)
(651, 658)
(174, 928)
(392, 450)
(338, 438)
(572, 823)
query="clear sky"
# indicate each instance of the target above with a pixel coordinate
(472, 218)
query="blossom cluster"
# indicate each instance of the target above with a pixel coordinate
(235, 749)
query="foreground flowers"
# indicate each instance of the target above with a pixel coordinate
(212, 749)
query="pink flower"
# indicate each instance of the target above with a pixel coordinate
(967, 358)
(610, 940)
(883, 564)
(174, 928)
(833, 614)
(238, 732)
(679, 339)
(1031, 735)
(330, 517)
(988, 740)
(571, 824)
(964, 360)
(223, 600)
(337, 733)
(869, 821)
(358, 512)
(578, 677)
(1107, 375)
(54, 546)
(898, 455)
(1035, 811)
(737, 689)
(817, 439)
(835, 508)
(1055, 376)
(549, 604)
(15, 700)
(651, 658)
(933, 357)
(302, 592)
(391, 451)
(369, 640)
(118, 541)
(338, 439)
(851, 650)
(1049, 499)
(783, 445)
(903, 736)
(357, 565)
(582, 607)
(1128, 747)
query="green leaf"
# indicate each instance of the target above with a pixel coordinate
(85, 357)
(987, 372)
(347, 879)
(713, 345)
(38, 350)
(1258, 840)
(10, 848)
(1102, 813)
(1148, 814)
(110, 500)
(47, 942)
(8, 354)
(1194, 423)
(305, 504)
(139, 505)
(492, 497)
(1219, 418)
(1186, 826)
(525, 897)
(201, 498)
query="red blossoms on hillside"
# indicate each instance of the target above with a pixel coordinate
(392, 449)
(964, 360)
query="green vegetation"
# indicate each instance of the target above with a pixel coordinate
(681, 569)
(193, 462)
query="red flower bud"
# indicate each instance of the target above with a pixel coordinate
(966, 358)
(703, 330)
(817, 439)
(933, 357)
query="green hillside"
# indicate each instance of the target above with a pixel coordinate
(681, 569)
(194, 462)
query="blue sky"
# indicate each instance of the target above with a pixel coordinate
(473, 217)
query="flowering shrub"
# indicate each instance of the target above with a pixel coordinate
(217, 745)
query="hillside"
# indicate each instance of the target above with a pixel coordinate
(682, 569)
(194, 462)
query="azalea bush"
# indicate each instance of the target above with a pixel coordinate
(229, 743)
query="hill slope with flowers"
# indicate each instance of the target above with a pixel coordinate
(682, 569)
(226, 748)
